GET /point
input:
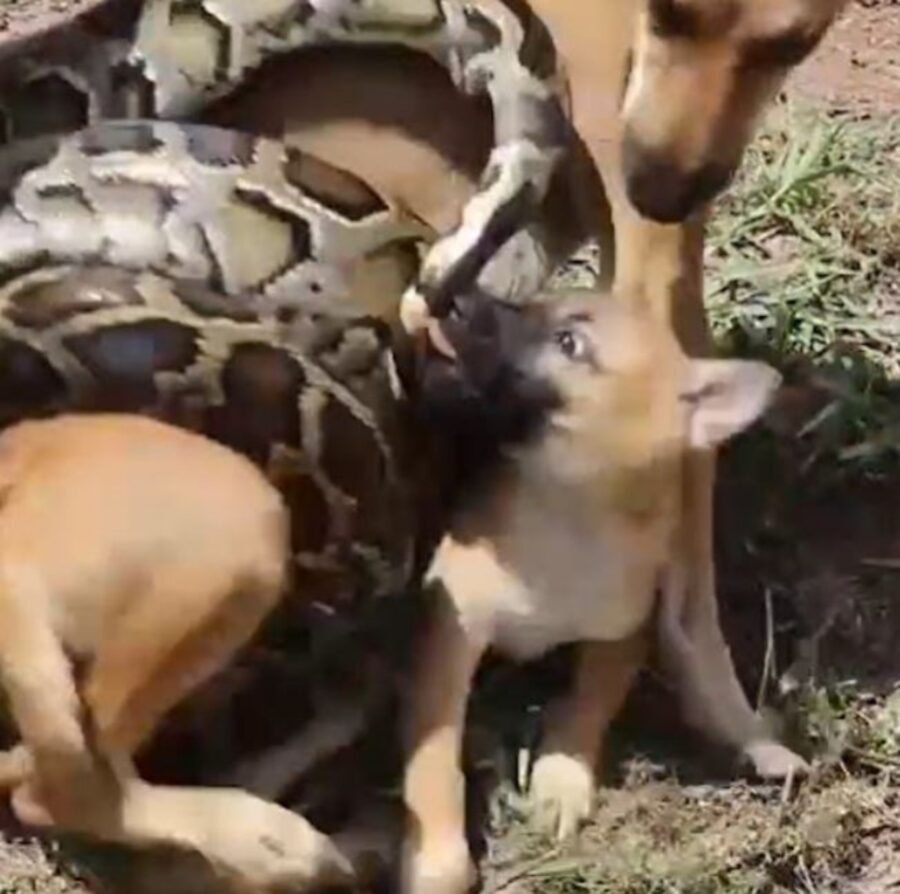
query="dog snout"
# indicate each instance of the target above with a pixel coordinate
(664, 191)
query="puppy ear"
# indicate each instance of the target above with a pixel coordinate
(725, 397)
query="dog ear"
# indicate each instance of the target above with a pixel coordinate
(725, 397)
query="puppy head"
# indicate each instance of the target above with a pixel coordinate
(582, 385)
(627, 395)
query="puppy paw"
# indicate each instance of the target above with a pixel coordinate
(773, 761)
(254, 844)
(443, 868)
(562, 794)
(284, 850)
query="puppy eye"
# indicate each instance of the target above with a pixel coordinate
(573, 345)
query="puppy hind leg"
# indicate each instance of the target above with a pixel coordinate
(178, 635)
(247, 838)
(66, 780)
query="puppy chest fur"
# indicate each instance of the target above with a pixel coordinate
(541, 569)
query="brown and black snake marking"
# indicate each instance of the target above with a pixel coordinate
(170, 58)
(229, 285)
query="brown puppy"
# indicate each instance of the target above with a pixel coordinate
(149, 554)
(566, 541)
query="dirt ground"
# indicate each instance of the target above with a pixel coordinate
(831, 614)
(19, 18)
(857, 68)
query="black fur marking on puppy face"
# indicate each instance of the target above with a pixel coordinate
(489, 399)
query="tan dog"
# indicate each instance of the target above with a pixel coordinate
(694, 76)
(566, 542)
(149, 554)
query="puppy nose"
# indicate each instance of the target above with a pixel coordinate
(663, 191)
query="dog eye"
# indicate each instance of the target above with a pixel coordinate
(574, 346)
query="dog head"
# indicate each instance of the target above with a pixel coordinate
(626, 395)
(701, 72)
(581, 385)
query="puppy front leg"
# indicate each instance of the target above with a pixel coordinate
(663, 266)
(436, 856)
(563, 782)
(693, 645)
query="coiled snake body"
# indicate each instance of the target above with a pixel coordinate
(171, 58)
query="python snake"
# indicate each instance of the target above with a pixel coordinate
(172, 58)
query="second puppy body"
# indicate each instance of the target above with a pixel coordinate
(582, 411)
(150, 555)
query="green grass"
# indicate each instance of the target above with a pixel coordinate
(804, 250)
(662, 838)
(803, 268)
(837, 832)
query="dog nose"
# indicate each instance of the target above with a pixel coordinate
(663, 191)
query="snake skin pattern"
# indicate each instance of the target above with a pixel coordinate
(184, 271)
(171, 58)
